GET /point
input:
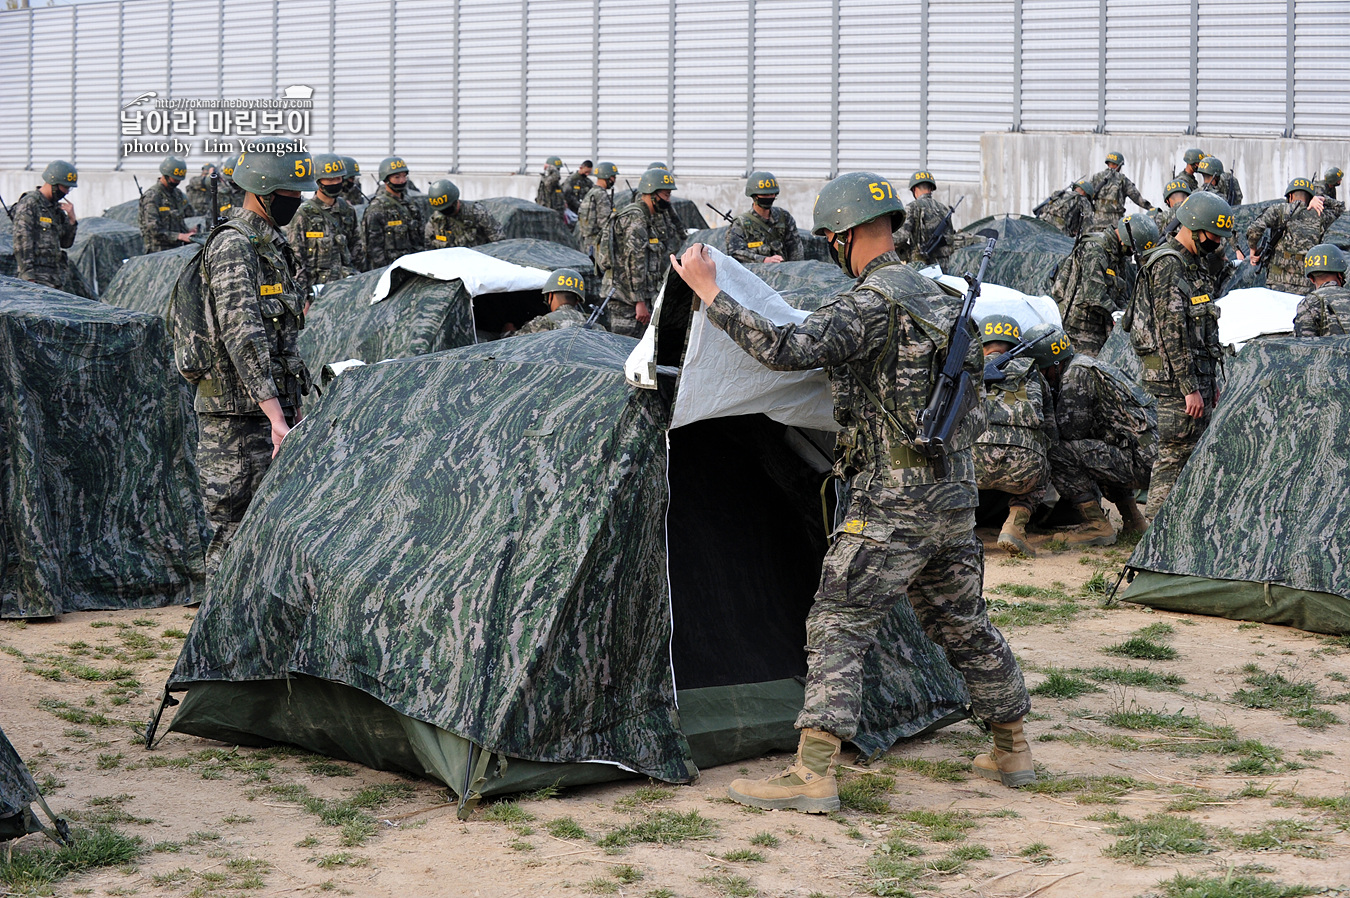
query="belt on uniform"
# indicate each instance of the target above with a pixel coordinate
(903, 456)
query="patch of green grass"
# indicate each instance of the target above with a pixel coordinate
(214, 763)
(34, 869)
(645, 796)
(1086, 789)
(175, 877)
(351, 814)
(1142, 649)
(547, 792)
(955, 860)
(765, 840)
(1292, 698)
(174, 633)
(1061, 684)
(1157, 834)
(866, 793)
(944, 770)
(729, 884)
(1281, 835)
(308, 842)
(941, 826)
(1156, 631)
(1037, 853)
(325, 767)
(107, 810)
(662, 827)
(341, 859)
(1028, 613)
(744, 856)
(110, 761)
(626, 874)
(1230, 886)
(508, 811)
(565, 828)
(599, 886)
(1136, 718)
(1126, 676)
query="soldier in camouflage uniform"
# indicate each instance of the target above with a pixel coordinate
(576, 187)
(1175, 331)
(318, 233)
(1070, 209)
(164, 208)
(351, 184)
(393, 224)
(1326, 311)
(923, 217)
(766, 233)
(908, 530)
(596, 207)
(198, 191)
(230, 196)
(1326, 187)
(251, 398)
(1012, 456)
(1089, 286)
(1174, 194)
(564, 294)
(636, 262)
(1299, 224)
(549, 194)
(1221, 181)
(457, 222)
(1112, 188)
(1191, 161)
(44, 227)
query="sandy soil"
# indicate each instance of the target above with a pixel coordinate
(224, 821)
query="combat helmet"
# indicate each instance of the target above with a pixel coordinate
(1210, 167)
(761, 183)
(1208, 212)
(329, 165)
(652, 165)
(61, 173)
(566, 280)
(1332, 177)
(606, 170)
(1053, 350)
(263, 174)
(444, 194)
(922, 177)
(1177, 186)
(1194, 156)
(1297, 185)
(654, 179)
(1000, 329)
(227, 168)
(1139, 232)
(1087, 187)
(855, 198)
(1325, 258)
(392, 165)
(1114, 158)
(173, 167)
(555, 161)
(353, 167)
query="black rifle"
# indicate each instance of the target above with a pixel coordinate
(1269, 240)
(137, 182)
(940, 233)
(213, 214)
(993, 369)
(1050, 199)
(8, 211)
(953, 395)
(600, 309)
(725, 215)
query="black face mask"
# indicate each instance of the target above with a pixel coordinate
(59, 193)
(663, 205)
(1207, 244)
(331, 190)
(397, 188)
(765, 202)
(840, 250)
(282, 209)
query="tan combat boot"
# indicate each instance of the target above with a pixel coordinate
(1010, 761)
(1096, 531)
(808, 785)
(1013, 537)
(1133, 518)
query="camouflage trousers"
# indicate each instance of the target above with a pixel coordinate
(1178, 433)
(933, 560)
(1020, 472)
(233, 454)
(623, 319)
(1086, 470)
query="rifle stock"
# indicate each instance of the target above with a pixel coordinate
(600, 309)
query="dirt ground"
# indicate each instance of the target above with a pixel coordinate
(1227, 763)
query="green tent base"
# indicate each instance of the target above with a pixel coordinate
(1266, 603)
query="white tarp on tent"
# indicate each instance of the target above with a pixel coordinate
(478, 272)
(1254, 311)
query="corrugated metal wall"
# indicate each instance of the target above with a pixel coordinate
(804, 88)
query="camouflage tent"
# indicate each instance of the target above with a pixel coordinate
(75, 283)
(101, 504)
(128, 213)
(422, 314)
(1339, 232)
(145, 282)
(804, 285)
(686, 210)
(814, 248)
(101, 246)
(1028, 251)
(18, 792)
(1256, 526)
(522, 218)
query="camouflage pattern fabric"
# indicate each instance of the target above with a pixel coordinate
(391, 228)
(1323, 313)
(128, 213)
(92, 519)
(1024, 259)
(145, 283)
(549, 194)
(752, 239)
(1108, 205)
(1089, 287)
(1338, 233)
(1227, 187)
(814, 249)
(567, 316)
(471, 225)
(1012, 455)
(1302, 230)
(688, 214)
(1162, 217)
(575, 189)
(1108, 432)
(355, 196)
(1178, 433)
(42, 230)
(1189, 177)
(1119, 354)
(642, 249)
(922, 219)
(1069, 211)
(908, 532)
(17, 792)
(234, 453)
(350, 222)
(1282, 425)
(198, 193)
(804, 285)
(318, 236)
(522, 218)
(101, 246)
(592, 215)
(161, 217)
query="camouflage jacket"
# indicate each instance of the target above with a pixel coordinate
(922, 219)
(355, 195)
(575, 190)
(162, 215)
(643, 243)
(752, 239)
(889, 332)
(1176, 321)
(248, 273)
(198, 193)
(1301, 229)
(41, 231)
(1189, 177)
(1162, 216)
(567, 316)
(231, 197)
(1336, 206)
(1228, 188)
(1090, 285)
(1109, 203)
(1069, 211)
(592, 217)
(550, 191)
(320, 241)
(351, 226)
(1323, 313)
(391, 228)
(1092, 403)
(1019, 411)
(471, 226)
